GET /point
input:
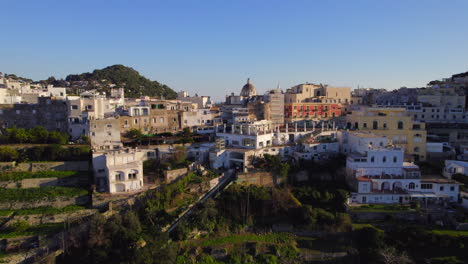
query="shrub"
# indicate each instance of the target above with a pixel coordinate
(8, 154)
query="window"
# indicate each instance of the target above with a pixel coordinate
(452, 188)
(74, 107)
(384, 125)
(416, 149)
(426, 186)
(161, 119)
(109, 125)
(395, 159)
(375, 125)
(411, 186)
(372, 159)
(135, 121)
(364, 125)
(441, 188)
(101, 171)
(384, 159)
(400, 125)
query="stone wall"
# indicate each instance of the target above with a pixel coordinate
(7, 166)
(42, 182)
(260, 178)
(54, 202)
(56, 165)
(172, 175)
(39, 219)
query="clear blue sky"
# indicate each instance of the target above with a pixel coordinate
(212, 46)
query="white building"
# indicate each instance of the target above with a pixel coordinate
(378, 173)
(319, 147)
(201, 101)
(89, 105)
(119, 171)
(455, 167)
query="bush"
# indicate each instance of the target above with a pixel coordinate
(35, 135)
(8, 154)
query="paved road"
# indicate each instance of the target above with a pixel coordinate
(228, 176)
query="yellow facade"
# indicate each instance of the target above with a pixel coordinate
(394, 123)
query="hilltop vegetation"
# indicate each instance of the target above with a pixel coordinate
(135, 84)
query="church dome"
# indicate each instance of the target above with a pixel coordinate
(248, 89)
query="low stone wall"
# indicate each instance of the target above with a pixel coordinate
(172, 175)
(54, 202)
(56, 165)
(39, 219)
(41, 182)
(7, 166)
(260, 178)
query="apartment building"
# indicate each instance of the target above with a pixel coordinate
(311, 111)
(49, 113)
(394, 123)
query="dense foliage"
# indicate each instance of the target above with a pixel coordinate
(36, 135)
(44, 153)
(135, 84)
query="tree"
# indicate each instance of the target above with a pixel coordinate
(179, 155)
(38, 134)
(17, 135)
(8, 154)
(56, 137)
(134, 134)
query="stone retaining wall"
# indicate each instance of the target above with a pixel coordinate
(172, 175)
(38, 219)
(56, 165)
(41, 182)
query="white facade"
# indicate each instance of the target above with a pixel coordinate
(119, 171)
(201, 101)
(455, 167)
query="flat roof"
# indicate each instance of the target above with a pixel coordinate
(434, 178)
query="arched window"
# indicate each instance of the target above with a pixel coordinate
(364, 125)
(384, 159)
(356, 125)
(384, 125)
(411, 186)
(400, 124)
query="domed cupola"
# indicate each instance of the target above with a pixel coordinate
(248, 89)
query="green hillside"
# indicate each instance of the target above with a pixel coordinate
(135, 84)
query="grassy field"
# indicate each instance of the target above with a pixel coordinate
(20, 175)
(48, 210)
(271, 238)
(34, 230)
(381, 208)
(450, 233)
(35, 194)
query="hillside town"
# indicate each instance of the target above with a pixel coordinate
(406, 148)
